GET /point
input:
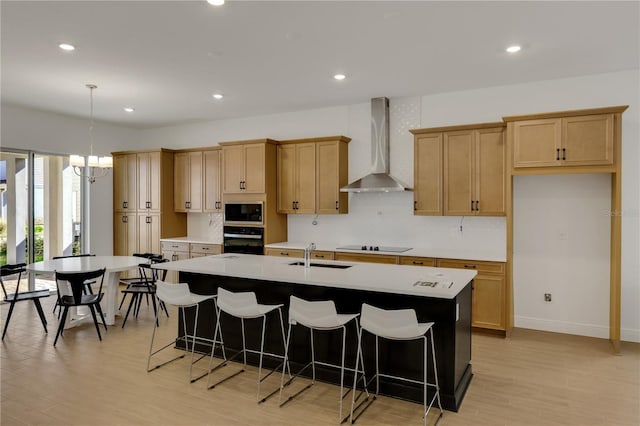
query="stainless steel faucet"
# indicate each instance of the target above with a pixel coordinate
(307, 254)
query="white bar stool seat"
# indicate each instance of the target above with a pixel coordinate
(321, 315)
(401, 324)
(180, 296)
(244, 305)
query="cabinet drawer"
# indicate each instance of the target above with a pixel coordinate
(319, 254)
(372, 258)
(480, 266)
(205, 249)
(417, 261)
(175, 246)
(284, 252)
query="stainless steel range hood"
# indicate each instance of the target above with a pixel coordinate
(379, 179)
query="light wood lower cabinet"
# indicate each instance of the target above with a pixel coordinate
(201, 250)
(488, 292)
(293, 253)
(364, 257)
(417, 261)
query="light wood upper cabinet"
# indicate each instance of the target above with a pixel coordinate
(243, 168)
(297, 178)
(188, 175)
(584, 140)
(332, 173)
(460, 170)
(211, 181)
(310, 175)
(125, 185)
(427, 174)
(149, 180)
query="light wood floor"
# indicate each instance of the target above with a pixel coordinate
(532, 378)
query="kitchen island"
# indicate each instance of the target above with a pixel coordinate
(437, 294)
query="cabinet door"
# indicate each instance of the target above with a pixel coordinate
(458, 172)
(490, 175)
(195, 182)
(181, 181)
(331, 174)
(212, 202)
(149, 181)
(125, 235)
(306, 178)
(286, 178)
(427, 174)
(488, 302)
(124, 182)
(254, 169)
(232, 169)
(149, 233)
(537, 143)
(587, 140)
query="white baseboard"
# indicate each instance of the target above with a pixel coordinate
(591, 330)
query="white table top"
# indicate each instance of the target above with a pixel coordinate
(397, 279)
(88, 263)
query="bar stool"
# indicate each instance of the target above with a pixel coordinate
(245, 306)
(321, 316)
(399, 324)
(179, 295)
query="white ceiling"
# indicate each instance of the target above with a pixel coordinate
(166, 58)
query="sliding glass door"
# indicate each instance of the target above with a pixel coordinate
(41, 201)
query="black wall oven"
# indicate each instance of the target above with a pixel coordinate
(243, 239)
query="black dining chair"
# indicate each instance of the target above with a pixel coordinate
(13, 298)
(140, 280)
(77, 297)
(145, 287)
(88, 284)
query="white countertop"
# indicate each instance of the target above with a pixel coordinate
(397, 279)
(420, 252)
(195, 240)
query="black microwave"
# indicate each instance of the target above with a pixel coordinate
(242, 213)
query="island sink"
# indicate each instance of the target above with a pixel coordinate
(322, 265)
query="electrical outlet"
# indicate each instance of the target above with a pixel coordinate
(547, 297)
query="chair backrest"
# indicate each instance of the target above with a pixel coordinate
(12, 269)
(388, 323)
(234, 303)
(150, 275)
(73, 255)
(77, 279)
(312, 314)
(174, 294)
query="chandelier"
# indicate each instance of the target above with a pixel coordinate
(94, 166)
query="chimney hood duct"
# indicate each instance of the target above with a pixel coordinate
(379, 179)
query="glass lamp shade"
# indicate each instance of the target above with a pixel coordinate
(105, 162)
(93, 161)
(76, 161)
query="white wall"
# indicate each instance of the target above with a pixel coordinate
(29, 129)
(584, 299)
(387, 218)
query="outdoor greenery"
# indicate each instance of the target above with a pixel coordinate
(39, 243)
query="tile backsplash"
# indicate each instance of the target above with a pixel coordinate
(206, 226)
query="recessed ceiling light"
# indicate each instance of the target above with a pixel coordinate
(513, 49)
(129, 109)
(216, 2)
(218, 96)
(339, 77)
(66, 46)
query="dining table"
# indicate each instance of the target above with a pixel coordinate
(113, 265)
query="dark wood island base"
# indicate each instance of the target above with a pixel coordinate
(452, 334)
